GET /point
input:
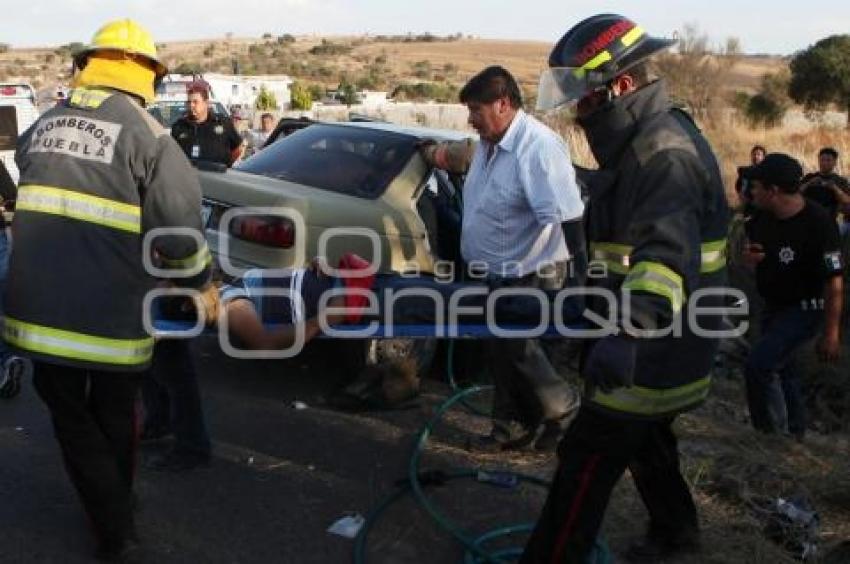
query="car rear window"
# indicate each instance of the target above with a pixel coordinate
(351, 160)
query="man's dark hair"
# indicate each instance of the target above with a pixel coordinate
(828, 151)
(758, 148)
(491, 84)
(200, 87)
(266, 115)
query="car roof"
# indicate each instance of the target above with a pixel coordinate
(412, 130)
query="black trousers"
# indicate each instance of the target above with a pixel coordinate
(172, 397)
(95, 423)
(595, 451)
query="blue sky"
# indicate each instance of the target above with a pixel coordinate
(778, 26)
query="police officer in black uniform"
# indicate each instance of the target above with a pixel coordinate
(204, 135)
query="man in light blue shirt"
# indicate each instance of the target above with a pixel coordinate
(519, 189)
(519, 193)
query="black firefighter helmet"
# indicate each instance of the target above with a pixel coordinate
(591, 54)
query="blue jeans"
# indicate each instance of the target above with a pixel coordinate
(172, 397)
(779, 406)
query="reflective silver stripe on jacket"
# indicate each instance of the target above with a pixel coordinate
(79, 346)
(76, 205)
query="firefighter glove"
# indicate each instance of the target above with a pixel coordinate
(611, 363)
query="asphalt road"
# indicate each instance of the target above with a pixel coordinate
(280, 476)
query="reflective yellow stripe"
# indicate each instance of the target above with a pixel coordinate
(633, 35)
(648, 401)
(195, 263)
(600, 59)
(78, 346)
(656, 278)
(83, 207)
(713, 256)
(616, 256)
(88, 97)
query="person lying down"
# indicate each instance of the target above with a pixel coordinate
(262, 310)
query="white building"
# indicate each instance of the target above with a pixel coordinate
(372, 98)
(241, 90)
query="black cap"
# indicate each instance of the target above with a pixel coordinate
(777, 169)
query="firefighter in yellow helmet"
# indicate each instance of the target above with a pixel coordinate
(101, 185)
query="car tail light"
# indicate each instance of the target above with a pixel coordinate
(8, 91)
(268, 230)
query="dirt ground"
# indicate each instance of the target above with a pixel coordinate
(281, 476)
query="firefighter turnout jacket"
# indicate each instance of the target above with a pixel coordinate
(656, 223)
(99, 177)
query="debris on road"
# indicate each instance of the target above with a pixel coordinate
(348, 526)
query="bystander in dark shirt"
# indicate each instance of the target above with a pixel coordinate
(211, 140)
(801, 253)
(820, 192)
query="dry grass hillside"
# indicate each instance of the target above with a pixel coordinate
(437, 66)
(380, 62)
(441, 65)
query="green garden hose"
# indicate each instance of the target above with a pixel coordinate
(418, 480)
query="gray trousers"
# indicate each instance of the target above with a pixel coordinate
(527, 389)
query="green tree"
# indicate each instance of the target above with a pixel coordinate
(761, 110)
(188, 68)
(300, 96)
(69, 49)
(330, 48)
(347, 93)
(317, 91)
(820, 75)
(768, 106)
(265, 100)
(425, 91)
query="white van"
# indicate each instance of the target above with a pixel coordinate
(17, 112)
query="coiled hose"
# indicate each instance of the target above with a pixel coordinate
(417, 481)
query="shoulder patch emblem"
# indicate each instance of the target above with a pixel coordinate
(786, 255)
(75, 136)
